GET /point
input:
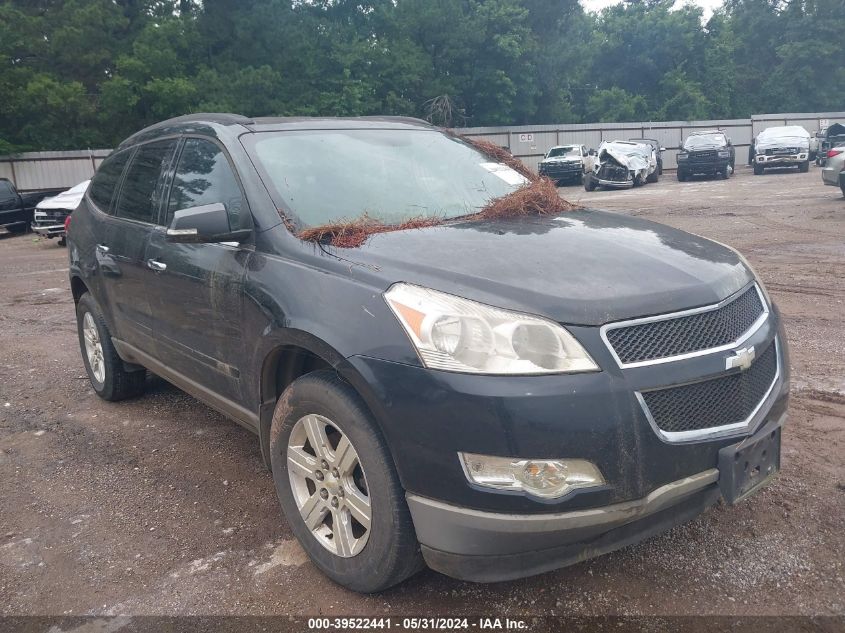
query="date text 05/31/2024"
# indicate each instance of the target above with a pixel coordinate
(417, 624)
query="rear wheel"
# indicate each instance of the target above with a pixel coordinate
(337, 485)
(105, 368)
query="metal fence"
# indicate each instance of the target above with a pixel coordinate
(33, 171)
(531, 142)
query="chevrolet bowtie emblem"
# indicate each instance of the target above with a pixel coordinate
(741, 358)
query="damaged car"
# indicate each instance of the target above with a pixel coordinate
(782, 146)
(491, 382)
(622, 164)
(51, 214)
(564, 164)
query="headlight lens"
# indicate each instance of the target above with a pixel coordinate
(456, 334)
(545, 478)
(682, 156)
(724, 154)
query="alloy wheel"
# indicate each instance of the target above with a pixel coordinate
(329, 485)
(93, 348)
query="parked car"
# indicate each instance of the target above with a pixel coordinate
(621, 164)
(706, 154)
(52, 213)
(16, 209)
(782, 146)
(494, 397)
(564, 163)
(658, 151)
(833, 173)
(833, 136)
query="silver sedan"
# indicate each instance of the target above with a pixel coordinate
(833, 172)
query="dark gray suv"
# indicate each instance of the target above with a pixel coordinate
(495, 398)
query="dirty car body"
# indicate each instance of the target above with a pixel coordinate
(706, 154)
(598, 385)
(621, 164)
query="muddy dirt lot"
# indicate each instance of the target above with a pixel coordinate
(161, 506)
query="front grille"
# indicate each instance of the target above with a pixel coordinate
(708, 404)
(664, 338)
(781, 150)
(703, 156)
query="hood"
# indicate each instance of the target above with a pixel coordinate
(69, 199)
(562, 159)
(635, 161)
(786, 136)
(581, 268)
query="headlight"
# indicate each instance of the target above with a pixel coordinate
(683, 156)
(456, 334)
(724, 154)
(545, 478)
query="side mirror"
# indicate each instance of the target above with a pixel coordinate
(662, 149)
(204, 224)
(730, 142)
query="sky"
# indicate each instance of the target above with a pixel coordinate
(707, 5)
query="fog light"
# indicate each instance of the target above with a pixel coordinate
(546, 478)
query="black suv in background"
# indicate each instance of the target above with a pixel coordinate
(423, 397)
(706, 154)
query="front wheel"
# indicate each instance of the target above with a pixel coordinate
(804, 167)
(337, 485)
(104, 367)
(682, 175)
(652, 177)
(758, 169)
(589, 183)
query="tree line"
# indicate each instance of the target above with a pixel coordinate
(87, 73)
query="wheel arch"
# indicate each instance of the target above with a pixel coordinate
(77, 288)
(292, 355)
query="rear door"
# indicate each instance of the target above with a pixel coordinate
(124, 243)
(197, 293)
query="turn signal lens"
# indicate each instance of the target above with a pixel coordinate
(544, 478)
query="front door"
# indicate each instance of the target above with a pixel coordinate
(197, 292)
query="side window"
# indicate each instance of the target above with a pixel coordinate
(204, 176)
(106, 179)
(7, 191)
(142, 187)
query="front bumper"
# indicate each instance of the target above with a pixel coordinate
(491, 547)
(561, 172)
(710, 167)
(616, 184)
(780, 160)
(48, 230)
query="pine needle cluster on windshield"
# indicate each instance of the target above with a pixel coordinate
(538, 197)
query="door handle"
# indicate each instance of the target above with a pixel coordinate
(102, 248)
(154, 264)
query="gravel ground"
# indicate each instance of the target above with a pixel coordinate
(161, 506)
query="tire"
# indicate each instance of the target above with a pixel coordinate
(842, 184)
(758, 169)
(62, 241)
(113, 382)
(589, 183)
(804, 167)
(724, 174)
(682, 176)
(638, 181)
(390, 553)
(652, 177)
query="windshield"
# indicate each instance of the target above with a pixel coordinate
(705, 140)
(323, 176)
(573, 152)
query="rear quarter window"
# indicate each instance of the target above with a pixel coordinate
(106, 179)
